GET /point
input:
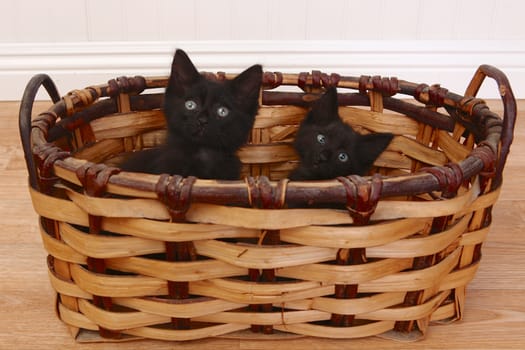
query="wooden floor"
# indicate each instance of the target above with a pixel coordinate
(495, 307)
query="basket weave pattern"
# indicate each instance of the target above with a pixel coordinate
(174, 258)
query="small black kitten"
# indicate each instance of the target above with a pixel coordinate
(329, 148)
(208, 121)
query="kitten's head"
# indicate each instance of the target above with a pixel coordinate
(329, 148)
(210, 113)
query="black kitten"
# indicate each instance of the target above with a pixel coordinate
(207, 123)
(329, 148)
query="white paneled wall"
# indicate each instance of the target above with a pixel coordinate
(79, 42)
(158, 20)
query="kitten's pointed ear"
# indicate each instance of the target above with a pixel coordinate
(245, 87)
(183, 73)
(371, 146)
(325, 109)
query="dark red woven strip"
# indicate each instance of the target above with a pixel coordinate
(175, 193)
(123, 84)
(362, 198)
(449, 177)
(272, 80)
(263, 195)
(45, 157)
(302, 80)
(94, 179)
(330, 80)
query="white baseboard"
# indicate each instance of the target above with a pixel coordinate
(77, 65)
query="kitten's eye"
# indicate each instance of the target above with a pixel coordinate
(223, 111)
(343, 157)
(321, 139)
(190, 105)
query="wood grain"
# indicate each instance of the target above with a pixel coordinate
(494, 313)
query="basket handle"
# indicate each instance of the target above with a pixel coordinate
(24, 118)
(509, 108)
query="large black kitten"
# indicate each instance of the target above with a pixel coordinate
(207, 123)
(329, 148)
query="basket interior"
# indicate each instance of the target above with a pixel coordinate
(269, 151)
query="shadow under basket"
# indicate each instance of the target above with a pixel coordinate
(136, 256)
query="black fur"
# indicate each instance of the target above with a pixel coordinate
(207, 122)
(329, 148)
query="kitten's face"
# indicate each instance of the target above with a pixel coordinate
(328, 151)
(210, 113)
(329, 148)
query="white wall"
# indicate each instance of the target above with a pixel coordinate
(82, 42)
(160, 20)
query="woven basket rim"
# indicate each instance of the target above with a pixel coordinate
(480, 159)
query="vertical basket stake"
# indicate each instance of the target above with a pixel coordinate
(175, 193)
(94, 179)
(361, 197)
(263, 195)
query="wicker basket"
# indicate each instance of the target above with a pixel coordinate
(172, 258)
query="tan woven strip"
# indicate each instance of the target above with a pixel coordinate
(183, 335)
(179, 271)
(454, 151)
(401, 209)
(407, 313)
(175, 232)
(100, 151)
(266, 318)
(346, 274)
(182, 310)
(117, 286)
(263, 257)
(119, 320)
(355, 236)
(60, 250)
(414, 247)
(357, 305)
(268, 117)
(338, 332)
(215, 289)
(416, 150)
(76, 319)
(379, 122)
(475, 237)
(444, 312)
(413, 280)
(271, 318)
(266, 153)
(481, 202)
(112, 207)
(57, 209)
(127, 124)
(67, 287)
(98, 246)
(264, 289)
(265, 218)
(459, 278)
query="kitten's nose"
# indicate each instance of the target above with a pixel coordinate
(324, 156)
(203, 120)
